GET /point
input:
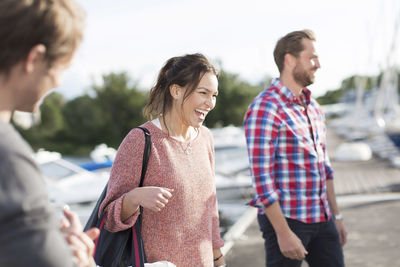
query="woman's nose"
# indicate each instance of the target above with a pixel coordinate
(210, 102)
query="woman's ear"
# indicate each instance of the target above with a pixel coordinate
(34, 57)
(175, 91)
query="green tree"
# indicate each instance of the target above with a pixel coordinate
(234, 97)
(51, 122)
(349, 84)
(122, 104)
(330, 97)
(84, 121)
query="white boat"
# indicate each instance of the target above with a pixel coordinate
(228, 137)
(102, 159)
(233, 187)
(232, 173)
(68, 183)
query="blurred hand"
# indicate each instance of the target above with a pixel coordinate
(342, 231)
(81, 243)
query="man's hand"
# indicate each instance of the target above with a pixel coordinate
(342, 232)
(291, 246)
(81, 243)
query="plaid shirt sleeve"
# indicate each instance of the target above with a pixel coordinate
(261, 125)
(329, 170)
(328, 167)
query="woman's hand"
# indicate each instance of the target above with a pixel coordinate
(150, 197)
(219, 259)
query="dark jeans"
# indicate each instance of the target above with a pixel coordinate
(321, 240)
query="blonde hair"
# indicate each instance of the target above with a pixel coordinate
(57, 24)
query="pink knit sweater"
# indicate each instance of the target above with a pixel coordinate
(187, 229)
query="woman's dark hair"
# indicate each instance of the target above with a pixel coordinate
(185, 71)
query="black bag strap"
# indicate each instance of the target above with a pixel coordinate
(93, 219)
(146, 153)
(139, 253)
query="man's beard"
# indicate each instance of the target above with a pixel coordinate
(302, 77)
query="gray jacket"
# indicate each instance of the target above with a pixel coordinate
(29, 231)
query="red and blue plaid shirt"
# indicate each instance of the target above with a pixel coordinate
(287, 152)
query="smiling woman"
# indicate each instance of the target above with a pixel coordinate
(190, 112)
(180, 215)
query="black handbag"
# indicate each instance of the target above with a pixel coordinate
(123, 248)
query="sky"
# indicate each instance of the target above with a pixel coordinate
(139, 36)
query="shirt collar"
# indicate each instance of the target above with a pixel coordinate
(288, 95)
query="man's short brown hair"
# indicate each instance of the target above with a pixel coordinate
(292, 44)
(57, 24)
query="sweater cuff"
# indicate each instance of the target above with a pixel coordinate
(113, 221)
(218, 243)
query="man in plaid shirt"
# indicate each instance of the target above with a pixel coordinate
(293, 180)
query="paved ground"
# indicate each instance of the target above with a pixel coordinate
(371, 215)
(373, 240)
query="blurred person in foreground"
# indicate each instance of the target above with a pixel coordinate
(38, 41)
(293, 179)
(180, 213)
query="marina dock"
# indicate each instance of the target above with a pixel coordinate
(368, 194)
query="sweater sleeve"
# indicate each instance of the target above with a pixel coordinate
(124, 176)
(217, 241)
